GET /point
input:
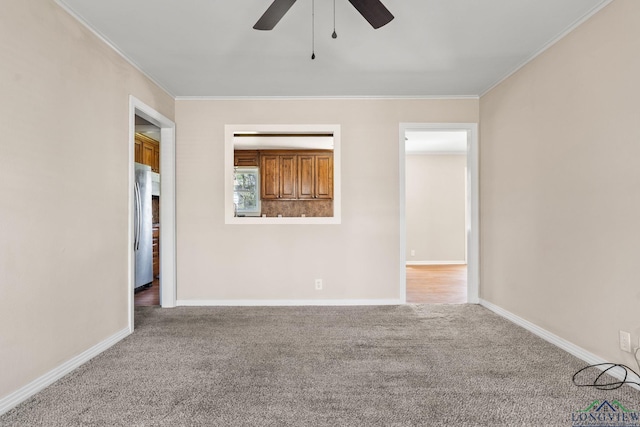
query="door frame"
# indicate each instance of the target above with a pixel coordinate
(473, 240)
(167, 203)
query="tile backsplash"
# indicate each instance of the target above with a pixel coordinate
(295, 208)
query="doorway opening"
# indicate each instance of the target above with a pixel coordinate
(439, 224)
(149, 120)
(147, 213)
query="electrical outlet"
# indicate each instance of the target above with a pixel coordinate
(413, 252)
(318, 284)
(625, 341)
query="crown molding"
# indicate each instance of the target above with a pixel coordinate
(320, 98)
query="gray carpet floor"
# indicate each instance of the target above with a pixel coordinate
(412, 365)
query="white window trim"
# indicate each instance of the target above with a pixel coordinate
(230, 130)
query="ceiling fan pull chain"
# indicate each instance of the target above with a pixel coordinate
(334, 35)
(313, 29)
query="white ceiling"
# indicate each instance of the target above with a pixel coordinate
(208, 48)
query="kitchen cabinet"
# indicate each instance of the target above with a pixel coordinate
(324, 176)
(306, 173)
(269, 177)
(278, 176)
(155, 163)
(246, 158)
(315, 176)
(296, 175)
(288, 176)
(147, 152)
(137, 151)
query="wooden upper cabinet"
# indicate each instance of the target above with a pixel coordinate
(137, 153)
(294, 175)
(148, 155)
(288, 177)
(306, 176)
(246, 158)
(147, 152)
(315, 176)
(155, 165)
(324, 176)
(270, 177)
(278, 176)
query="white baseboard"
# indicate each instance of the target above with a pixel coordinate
(295, 302)
(12, 400)
(565, 345)
(436, 262)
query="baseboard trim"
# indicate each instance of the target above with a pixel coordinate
(295, 302)
(436, 262)
(552, 338)
(14, 399)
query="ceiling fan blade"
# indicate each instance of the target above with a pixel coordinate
(373, 11)
(273, 14)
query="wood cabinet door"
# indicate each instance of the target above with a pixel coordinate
(147, 152)
(292, 176)
(306, 176)
(245, 158)
(269, 177)
(137, 151)
(288, 176)
(324, 176)
(156, 159)
(148, 155)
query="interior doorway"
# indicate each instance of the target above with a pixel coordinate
(147, 226)
(439, 213)
(166, 203)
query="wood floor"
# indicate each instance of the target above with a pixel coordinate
(426, 284)
(437, 284)
(149, 296)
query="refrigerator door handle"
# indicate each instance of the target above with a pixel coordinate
(140, 213)
(136, 224)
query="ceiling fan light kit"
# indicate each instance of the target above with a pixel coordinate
(373, 11)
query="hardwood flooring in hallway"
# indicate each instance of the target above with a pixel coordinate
(148, 296)
(437, 284)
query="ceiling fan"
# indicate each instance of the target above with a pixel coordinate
(372, 10)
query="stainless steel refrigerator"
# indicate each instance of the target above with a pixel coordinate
(142, 228)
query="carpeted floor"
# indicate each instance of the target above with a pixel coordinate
(413, 365)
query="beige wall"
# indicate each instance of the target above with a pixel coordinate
(435, 207)
(358, 259)
(64, 111)
(560, 199)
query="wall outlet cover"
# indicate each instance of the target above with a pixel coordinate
(625, 341)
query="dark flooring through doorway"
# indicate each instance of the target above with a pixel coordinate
(148, 296)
